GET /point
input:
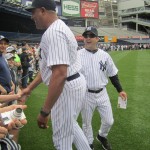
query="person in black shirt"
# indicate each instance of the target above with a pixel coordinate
(25, 66)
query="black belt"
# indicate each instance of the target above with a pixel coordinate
(73, 77)
(95, 91)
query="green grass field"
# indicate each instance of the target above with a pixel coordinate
(131, 129)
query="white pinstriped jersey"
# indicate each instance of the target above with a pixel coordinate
(96, 68)
(58, 46)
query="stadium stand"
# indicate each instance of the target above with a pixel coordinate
(134, 14)
(108, 31)
(16, 23)
(14, 36)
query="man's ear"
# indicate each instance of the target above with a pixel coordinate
(43, 9)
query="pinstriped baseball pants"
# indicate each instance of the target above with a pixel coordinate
(101, 102)
(64, 115)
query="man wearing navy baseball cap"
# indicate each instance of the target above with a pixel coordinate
(101, 65)
(90, 29)
(59, 70)
(47, 4)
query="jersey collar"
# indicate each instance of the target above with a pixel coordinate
(92, 51)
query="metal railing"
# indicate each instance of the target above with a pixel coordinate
(141, 21)
(134, 11)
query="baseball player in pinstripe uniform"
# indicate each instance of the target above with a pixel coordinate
(59, 71)
(97, 66)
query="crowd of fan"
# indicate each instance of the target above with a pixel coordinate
(25, 62)
(117, 47)
(18, 64)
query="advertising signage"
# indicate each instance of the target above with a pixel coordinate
(76, 22)
(71, 8)
(89, 9)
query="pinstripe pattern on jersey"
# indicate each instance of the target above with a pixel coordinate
(101, 102)
(58, 46)
(96, 68)
(64, 114)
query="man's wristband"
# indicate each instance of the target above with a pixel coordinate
(43, 113)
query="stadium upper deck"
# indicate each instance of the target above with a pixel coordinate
(134, 14)
(108, 31)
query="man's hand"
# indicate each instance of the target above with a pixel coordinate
(3, 132)
(42, 121)
(26, 91)
(16, 123)
(123, 95)
(22, 100)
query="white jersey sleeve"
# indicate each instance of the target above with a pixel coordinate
(58, 46)
(57, 50)
(111, 67)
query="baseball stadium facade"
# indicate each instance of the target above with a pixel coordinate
(134, 15)
(114, 19)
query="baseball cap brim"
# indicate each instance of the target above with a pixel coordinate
(47, 4)
(88, 31)
(30, 8)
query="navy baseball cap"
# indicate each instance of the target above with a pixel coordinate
(47, 4)
(90, 29)
(4, 38)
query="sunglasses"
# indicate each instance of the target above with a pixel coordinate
(89, 36)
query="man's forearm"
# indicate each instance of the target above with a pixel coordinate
(54, 90)
(35, 82)
(7, 98)
(115, 81)
(56, 84)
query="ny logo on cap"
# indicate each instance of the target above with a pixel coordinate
(89, 28)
